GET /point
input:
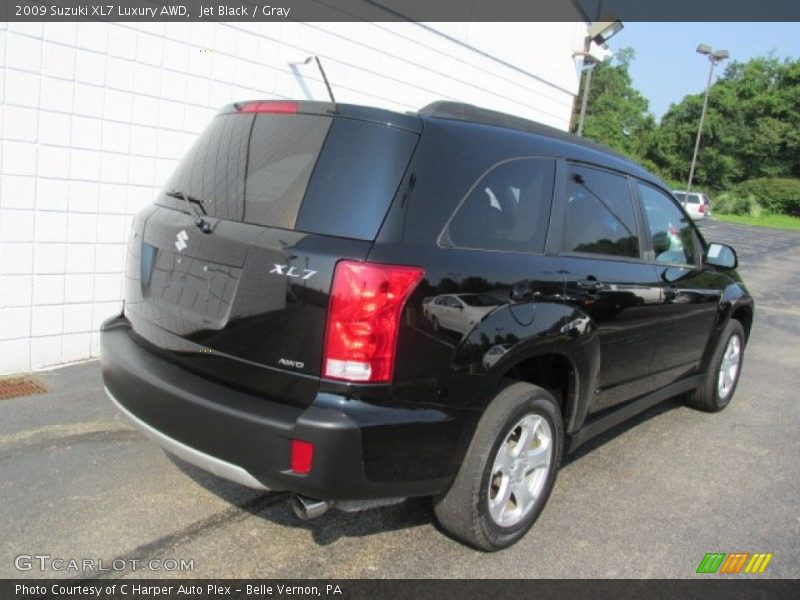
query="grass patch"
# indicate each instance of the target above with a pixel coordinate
(766, 220)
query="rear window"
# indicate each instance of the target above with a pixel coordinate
(302, 172)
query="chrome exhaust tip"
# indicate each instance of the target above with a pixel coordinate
(308, 508)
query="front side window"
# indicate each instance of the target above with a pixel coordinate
(507, 209)
(599, 214)
(673, 237)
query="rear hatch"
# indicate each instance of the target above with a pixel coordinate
(285, 190)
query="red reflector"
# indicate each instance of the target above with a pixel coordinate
(364, 319)
(271, 106)
(302, 456)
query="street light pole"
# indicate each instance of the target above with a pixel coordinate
(713, 58)
(586, 83)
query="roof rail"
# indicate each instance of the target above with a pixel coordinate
(460, 111)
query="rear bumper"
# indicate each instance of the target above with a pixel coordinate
(247, 438)
(209, 463)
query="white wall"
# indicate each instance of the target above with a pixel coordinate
(94, 117)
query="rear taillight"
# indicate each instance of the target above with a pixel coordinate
(364, 318)
(702, 208)
(270, 106)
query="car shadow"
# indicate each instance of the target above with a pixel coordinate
(326, 529)
(334, 524)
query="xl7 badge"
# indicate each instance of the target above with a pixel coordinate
(293, 272)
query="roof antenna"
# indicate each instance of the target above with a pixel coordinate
(322, 72)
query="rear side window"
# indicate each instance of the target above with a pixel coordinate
(508, 208)
(309, 173)
(600, 218)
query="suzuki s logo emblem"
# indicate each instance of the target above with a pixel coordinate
(181, 239)
(288, 271)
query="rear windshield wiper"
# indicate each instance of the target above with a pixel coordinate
(193, 203)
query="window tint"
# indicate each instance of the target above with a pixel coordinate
(356, 179)
(251, 168)
(305, 172)
(673, 237)
(214, 168)
(599, 215)
(283, 151)
(507, 209)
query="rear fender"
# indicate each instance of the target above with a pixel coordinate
(515, 333)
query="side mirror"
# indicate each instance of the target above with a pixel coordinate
(721, 255)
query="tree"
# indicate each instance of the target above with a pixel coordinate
(617, 114)
(752, 127)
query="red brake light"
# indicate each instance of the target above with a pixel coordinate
(302, 456)
(702, 208)
(364, 319)
(271, 106)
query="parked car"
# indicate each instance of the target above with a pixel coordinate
(696, 205)
(278, 326)
(459, 312)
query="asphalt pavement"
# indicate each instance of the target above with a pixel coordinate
(648, 499)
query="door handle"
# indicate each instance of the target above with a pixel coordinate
(590, 284)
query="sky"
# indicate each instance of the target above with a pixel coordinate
(667, 68)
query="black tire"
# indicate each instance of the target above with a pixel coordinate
(463, 511)
(707, 397)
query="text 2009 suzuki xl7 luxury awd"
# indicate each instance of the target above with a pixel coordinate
(358, 306)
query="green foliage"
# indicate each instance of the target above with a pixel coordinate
(734, 203)
(765, 220)
(752, 127)
(751, 130)
(775, 195)
(616, 114)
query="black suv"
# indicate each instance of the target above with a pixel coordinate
(358, 306)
